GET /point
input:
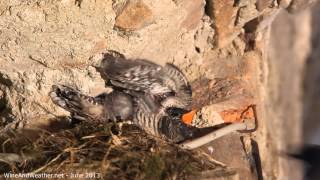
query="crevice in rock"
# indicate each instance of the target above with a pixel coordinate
(208, 8)
(78, 3)
(251, 26)
(2, 104)
(197, 49)
(249, 35)
(4, 79)
(6, 115)
(257, 159)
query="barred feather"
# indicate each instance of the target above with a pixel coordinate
(183, 92)
(137, 75)
(156, 121)
(143, 90)
(113, 106)
(150, 78)
(145, 112)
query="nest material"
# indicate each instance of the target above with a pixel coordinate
(107, 150)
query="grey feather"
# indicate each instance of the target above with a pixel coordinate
(138, 75)
(112, 106)
(145, 112)
(143, 91)
(150, 78)
(154, 119)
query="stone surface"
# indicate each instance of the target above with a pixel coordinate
(238, 115)
(264, 4)
(134, 16)
(243, 165)
(299, 5)
(206, 91)
(224, 14)
(243, 3)
(206, 117)
(281, 108)
(311, 80)
(213, 115)
(195, 11)
(246, 13)
(284, 3)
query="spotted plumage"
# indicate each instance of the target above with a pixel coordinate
(153, 96)
(166, 84)
(157, 121)
(159, 89)
(112, 106)
(117, 105)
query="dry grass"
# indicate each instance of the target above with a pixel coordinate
(111, 151)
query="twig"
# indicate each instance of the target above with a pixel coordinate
(214, 160)
(246, 125)
(47, 165)
(38, 61)
(10, 157)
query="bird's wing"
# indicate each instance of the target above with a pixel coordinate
(180, 84)
(176, 75)
(147, 113)
(137, 75)
(152, 118)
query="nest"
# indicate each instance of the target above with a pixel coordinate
(111, 151)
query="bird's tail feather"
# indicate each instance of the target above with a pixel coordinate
(79, 105)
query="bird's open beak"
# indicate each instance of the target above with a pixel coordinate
(188, 117)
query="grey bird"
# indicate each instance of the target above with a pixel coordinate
(117, 105)
(162, 93)
(156, 97)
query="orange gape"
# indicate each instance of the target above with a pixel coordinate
(188, 117)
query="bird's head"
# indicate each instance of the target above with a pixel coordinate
(108, 62)
(174, 128)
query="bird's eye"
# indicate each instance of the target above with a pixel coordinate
(173, 112)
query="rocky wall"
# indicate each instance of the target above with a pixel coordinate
(221, 45)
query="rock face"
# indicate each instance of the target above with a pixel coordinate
(311, 94)
(134, 16)
(224, 13)
(219, 44)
